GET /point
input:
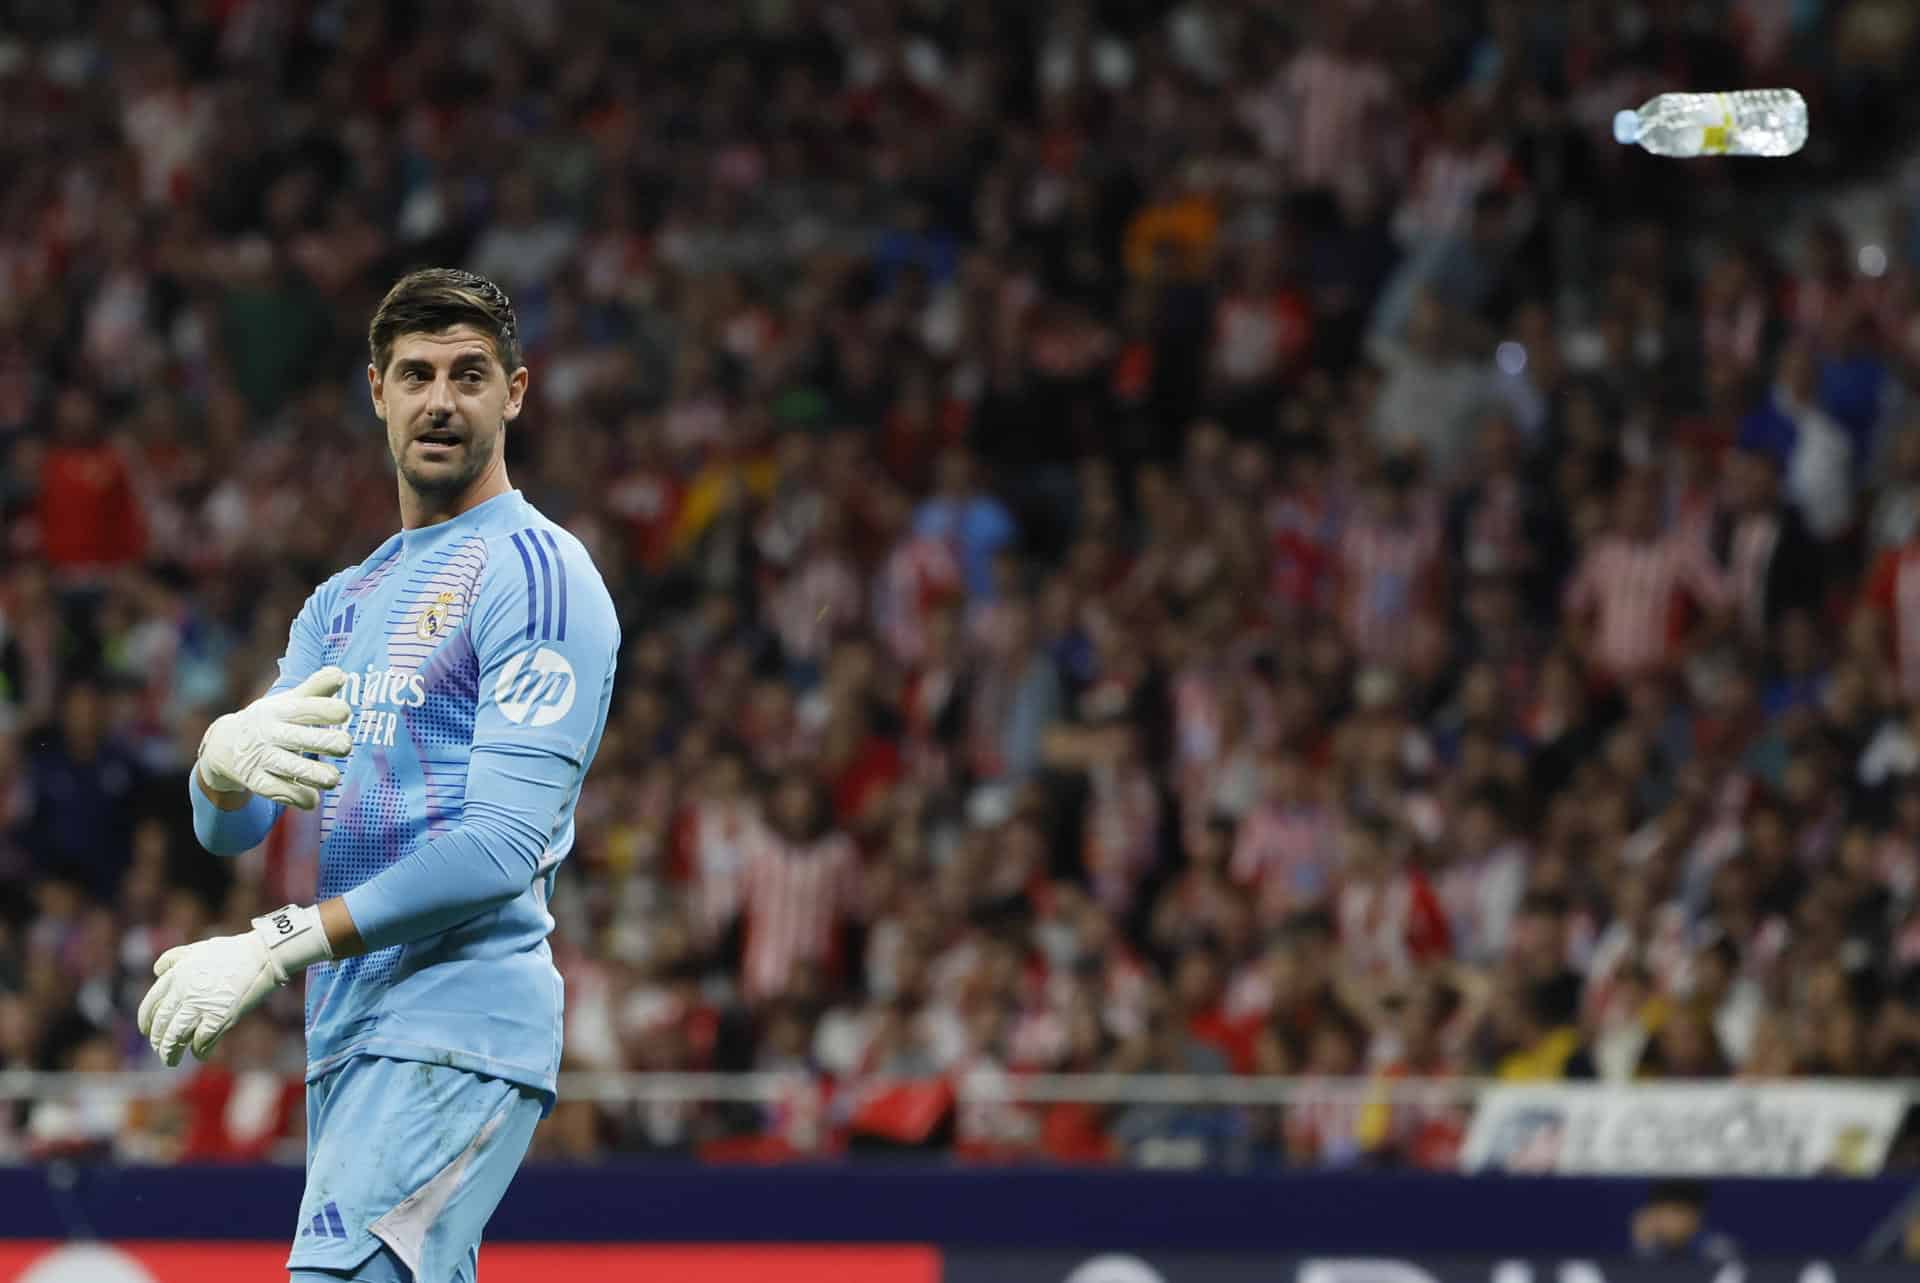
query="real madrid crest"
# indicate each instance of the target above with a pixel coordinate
(437, 617)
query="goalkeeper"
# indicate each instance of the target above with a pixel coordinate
(440, 702)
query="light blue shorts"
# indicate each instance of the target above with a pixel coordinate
(405, 1163)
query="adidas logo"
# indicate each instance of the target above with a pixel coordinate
(326, 1223)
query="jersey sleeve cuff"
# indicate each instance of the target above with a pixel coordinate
(229, 832)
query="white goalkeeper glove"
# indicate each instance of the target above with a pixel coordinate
(204, 987)
(258, 749)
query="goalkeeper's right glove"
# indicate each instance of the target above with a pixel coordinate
(258, 749)
(204, 987)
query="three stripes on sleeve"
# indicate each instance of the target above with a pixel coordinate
(546, 601)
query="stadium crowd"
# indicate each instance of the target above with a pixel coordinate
(1207, 537)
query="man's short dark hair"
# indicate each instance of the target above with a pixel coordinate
(435, 299)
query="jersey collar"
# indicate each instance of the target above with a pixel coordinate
(475, 520)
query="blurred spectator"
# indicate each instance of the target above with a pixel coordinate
(1434, 392)
(522, 250)
(1391, 575)
(1671, 1226)
(1015, 697)
(1813, 451)
(1629, 591)
(89, 508)
(1287, 848)
(82, 789)
(975, 525)
(243, 1106)
(799, 887)
(1771, 561)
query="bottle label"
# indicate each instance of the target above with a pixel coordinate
(1715, 139)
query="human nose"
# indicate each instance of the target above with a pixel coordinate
(440, 398)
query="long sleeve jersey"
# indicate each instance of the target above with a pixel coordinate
(480, 658)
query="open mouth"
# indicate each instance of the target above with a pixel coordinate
(438, 438)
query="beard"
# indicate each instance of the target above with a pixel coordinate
(444, 482)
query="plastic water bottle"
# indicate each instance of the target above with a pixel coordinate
(1747, 122)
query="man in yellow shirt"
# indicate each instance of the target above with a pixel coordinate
(1540, 1024)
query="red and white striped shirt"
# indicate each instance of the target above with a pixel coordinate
(796, 896)
(1387, 575)
(1122, 831)
(1336, 104)
(813, 605)
(1197, 717)
(1389, 925)
(1634, 591)
(919, 574)
(1289, 855)
(1481, 897)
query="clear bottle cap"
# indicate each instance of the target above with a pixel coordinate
(1626, 126)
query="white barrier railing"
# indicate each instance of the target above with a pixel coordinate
(1796, 1128)
(1094, 1089)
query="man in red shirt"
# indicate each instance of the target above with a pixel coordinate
(89, 512)
(1623, 606)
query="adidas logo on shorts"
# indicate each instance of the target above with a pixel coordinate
(326, 1223)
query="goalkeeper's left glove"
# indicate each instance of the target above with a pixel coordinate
(204, 987)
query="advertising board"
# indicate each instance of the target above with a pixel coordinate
(1693, 1129)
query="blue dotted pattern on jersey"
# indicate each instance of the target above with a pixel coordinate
(446, 719)
(360, 841)
(361, 844)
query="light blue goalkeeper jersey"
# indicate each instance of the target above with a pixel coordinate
(480, 658)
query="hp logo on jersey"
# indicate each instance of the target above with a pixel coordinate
(535, 688)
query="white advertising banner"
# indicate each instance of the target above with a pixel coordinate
(1686, 1129)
